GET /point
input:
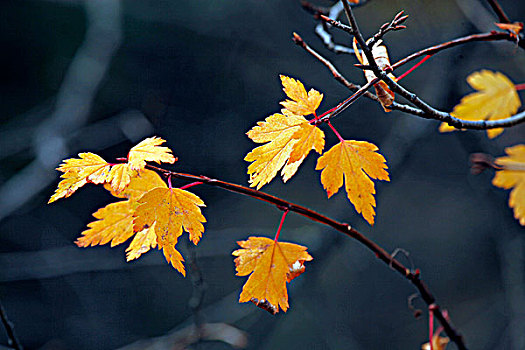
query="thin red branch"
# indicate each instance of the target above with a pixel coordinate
(520, 86)
(285, 212)
(191, 185)
(379, 252)
(413, 68)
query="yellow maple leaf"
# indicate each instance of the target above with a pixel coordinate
(301, 103)
(438, 343)
(79, 171)
(358, 163)
(513, 176)
(171, 209)
(149, 150)
(271, 264)
(141, 243)
(495, 99)
(115, 224)
(119, 177)
(140, 183)
(285, 135)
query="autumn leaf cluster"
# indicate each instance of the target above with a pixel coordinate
(152, 213)
(289, 137)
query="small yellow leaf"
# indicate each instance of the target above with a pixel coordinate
(115, 224)
(119, 177)
(72, 182)
(271, 264)
(512, 176)
(495, 99)
(141, 243)
(171, 209)
(358, 163)
(286, 135)
(301, 103)
(438, 343)
(140, 183)
(79, 171)
(149, 150)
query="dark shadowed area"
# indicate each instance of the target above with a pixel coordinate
(101, 75)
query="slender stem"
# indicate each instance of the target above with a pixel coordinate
(431, 327)
(492, 36)
(191, 185)
(502, 16)
(519, 87)
(379, 252)
(285, 212)
(335, 132)
(413, 67)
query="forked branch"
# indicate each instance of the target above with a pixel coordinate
(284, 205)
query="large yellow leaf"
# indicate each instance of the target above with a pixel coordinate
(301, 103)
(141, 243)
(358, 163)
(149, 150)
(140, 183)
(286, 135)
(271, 264)
(115, 224)
(496, 99)
(171, 209)
(79, 171)
(513, 176)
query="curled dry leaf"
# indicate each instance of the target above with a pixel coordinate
(496, 98)
(512, 176)
(380, 53)
(270, 265)
(438, 343)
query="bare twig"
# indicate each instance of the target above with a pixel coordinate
(492, 36)
(394, 25)
(502, 16)
(12, 339)
(380, 253)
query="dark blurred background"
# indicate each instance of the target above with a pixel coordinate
(100, 75)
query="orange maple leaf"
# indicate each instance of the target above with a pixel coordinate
(515, 28)
(495, 99)
(149, 150)
(512, 176)
(271, 264)
(171, 209)
(79, 171)
(289, 140)
(358, 163)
